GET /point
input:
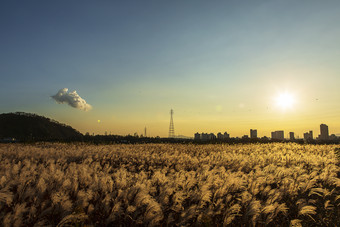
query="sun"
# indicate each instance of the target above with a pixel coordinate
(285, 100)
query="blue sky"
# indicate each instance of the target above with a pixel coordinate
(219, 64)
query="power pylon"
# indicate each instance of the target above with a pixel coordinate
(171, 128)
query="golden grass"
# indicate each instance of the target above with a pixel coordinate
(169, 184)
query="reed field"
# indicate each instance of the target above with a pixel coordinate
(52, 184)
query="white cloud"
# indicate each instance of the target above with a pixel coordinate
(72, 99)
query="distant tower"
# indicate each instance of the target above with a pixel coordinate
(145, 132)
(324, 133)
(253, 133)
(171, 128)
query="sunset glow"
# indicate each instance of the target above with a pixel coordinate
(228, 66)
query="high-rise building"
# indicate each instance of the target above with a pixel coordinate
(197, 136)
(273, 135)
(253, 133)
(291, 136)
(278, 135)
(324, 133)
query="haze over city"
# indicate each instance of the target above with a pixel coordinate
(222, 66)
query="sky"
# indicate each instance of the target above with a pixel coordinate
(220, 65)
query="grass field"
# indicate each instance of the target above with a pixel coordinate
(169, 185)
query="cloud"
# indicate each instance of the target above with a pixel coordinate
(72, 99)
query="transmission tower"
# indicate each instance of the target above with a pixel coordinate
(171, 128)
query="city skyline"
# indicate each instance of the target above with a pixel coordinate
(279, 135)
(121, 66)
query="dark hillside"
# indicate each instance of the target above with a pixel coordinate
(32, 127)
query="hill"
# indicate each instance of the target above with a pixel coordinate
(32, 127)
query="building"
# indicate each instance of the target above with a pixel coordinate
(291, 136)
(278, 135)
(221, 136)
(226, 135)
(265, 138)
(253, 133)
(333, 137)
(204, 136)
(273, 135)
(324, 133)
(308, 135)
(211, 136)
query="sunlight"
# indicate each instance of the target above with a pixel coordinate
(285, 100)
